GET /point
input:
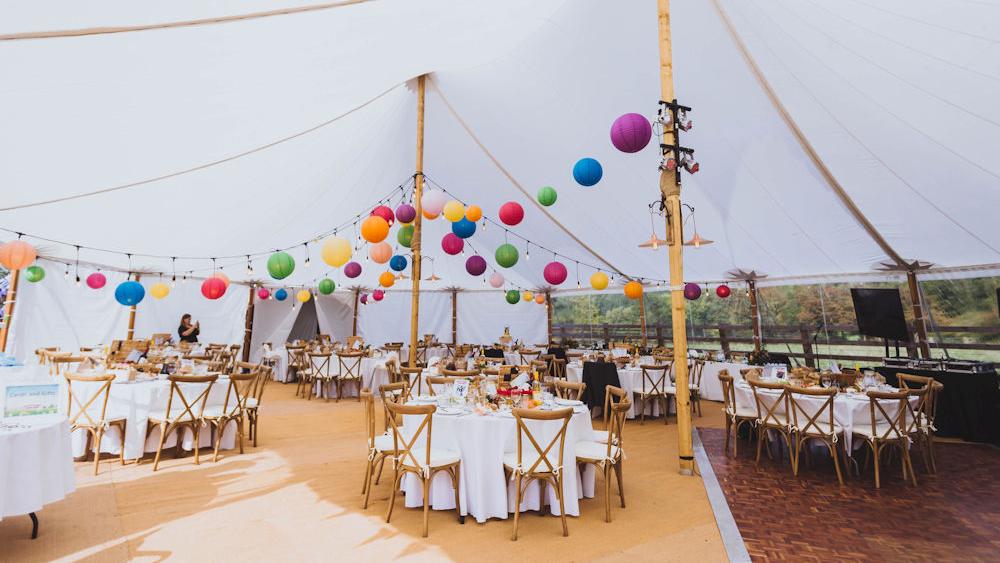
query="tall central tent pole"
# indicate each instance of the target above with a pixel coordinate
(131, 316)
(548, 316)
(670, 189)
(642, 318)
(248, 327)
(418, 192)
(8, 313)
(754, 315)
(454, 317)
(354, 329)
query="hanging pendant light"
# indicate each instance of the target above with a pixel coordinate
(653, 241)
(696, 240)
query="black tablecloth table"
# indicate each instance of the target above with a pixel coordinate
(597, 376)
(558, 352)
(968, 407)
(493, 353)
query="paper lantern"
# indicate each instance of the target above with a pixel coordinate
(221, 276)
(723, 291)
(405, 213)
(130, 293)
(453, 211)
(374, 229)
(280, 265)
(475, 265)
(17, 254)
(378, 295)
(511, 213)
(326, 286)
(336, 251)
(599, 281)
(513, 296)
(386, 279)
(96, 280)
(633, 289)
(263, 293)
(398, 263)
(547, 195)
(496, 280)
(213, 288)
(364, 299)
(587, 172)
(352, 270)
(281, 294)
(506, 255)
(303, 295)
(380, 253)
(159, 290)
(540, 299)
(452, 244)
(432, 203)
(404, 236)
(34, 274)
(463, 228)
(692, 291)
(527, 296)
(385, 213)
(555, 273)
(631, 132)
(474, 213)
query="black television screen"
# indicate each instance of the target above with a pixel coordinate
(880, 313)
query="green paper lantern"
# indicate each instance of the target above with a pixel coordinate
(280, 265)
(513, 297)
(547, 195)
(34, 274)
(506, 255)
(405, 235)
(326, 286)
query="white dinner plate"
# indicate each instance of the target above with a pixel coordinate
(568, 402)
(449, 411)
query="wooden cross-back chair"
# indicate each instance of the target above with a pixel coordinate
(458, 373)
(181, 412)
(442, 380)
(299, 363)
(695, 369)
(409, 375)
(772, 415)
(421, 354)
(322, 374)
(295, 358)
(414, 455)
(351, 340)
(233, 409)
(538, 463)
(44, 354)
(654, 387)
(816, 424)
(572, 390)
(63, 363)
(380, 446)
(349, 372)
(527, 355)
(397, 392)
(885, 429)
(736, 416)
(256, 397)
(925, 413)
(83, 417)
(609, 455)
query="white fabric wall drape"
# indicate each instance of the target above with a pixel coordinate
(222, 320)
(389, 319)
(336, 314)
(272, 322)
(482, 317)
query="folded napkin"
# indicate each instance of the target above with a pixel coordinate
(7, 360)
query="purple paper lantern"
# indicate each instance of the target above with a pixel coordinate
(631, 132)
(352, 269)
(555, 273)
(406, 213)
(475, 265)
(452, 244)
(364, 298)
(692, 291)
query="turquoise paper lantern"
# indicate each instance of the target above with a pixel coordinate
(129, 293)
(587, 172)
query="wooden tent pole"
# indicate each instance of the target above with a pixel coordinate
(454, 317)
(8, 313)
(918, 314)
(670, 190)
(418, 192)
(754, 316)
(642, 318)
(354, 329)
(548, 314)
(131, 315)
(248, 327)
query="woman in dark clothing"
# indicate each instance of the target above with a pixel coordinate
(188, 332)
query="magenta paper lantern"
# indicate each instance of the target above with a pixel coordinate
(631, 132)
(263, 293)
(406, 213)
(692, 291)
(496, 280)
(96, 280)
(364, 298)
(511, 213)
(475, 265)
(555, 273)
(213, 288)
(385, 213)
(352, 269)
(378, 295)
(452, 244)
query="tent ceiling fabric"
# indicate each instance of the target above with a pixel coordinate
(897, 99)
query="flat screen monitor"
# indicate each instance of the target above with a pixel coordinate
(880, 313)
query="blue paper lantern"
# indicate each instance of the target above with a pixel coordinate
(398, 263)
(129, 293)
(587, 172)
(281, 294)
(463, 228)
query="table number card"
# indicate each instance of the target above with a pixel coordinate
(31, 400)
(461, 387)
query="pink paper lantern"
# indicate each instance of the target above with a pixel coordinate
(406, 213)
(452, 244)
(511, 213)
(380, 253)
(555, 273)
(213, 288)
(378, 295)
(263, 293)
(96, 280)
(631, 132)
(385, 213)
(475, 265)
(496, 280)
(352, 269)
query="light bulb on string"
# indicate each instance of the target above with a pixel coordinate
(306, 262)
(66, 273)
(527, 250)
(173, 270)
(249, 267)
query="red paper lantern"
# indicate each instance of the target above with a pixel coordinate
(723, 291)
(385, 213)
(511, 213)
(213, 288)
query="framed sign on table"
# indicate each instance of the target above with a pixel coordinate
(30, 400)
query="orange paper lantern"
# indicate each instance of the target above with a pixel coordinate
(17, 254)
(374, 229)
(540, 299)
(474, 213)
(386, 279)
(633, 289)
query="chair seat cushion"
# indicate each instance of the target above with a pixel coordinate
(216, 411)
(592, 451)
(742, 412)
(251, 403)
(438, 457)
(528, 459)
(383, 443)
(172, 417)
(880, 431)
(822, 430)
(600, 436)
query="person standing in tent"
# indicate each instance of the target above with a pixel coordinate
(188, 332)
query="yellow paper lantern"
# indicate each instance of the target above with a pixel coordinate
(386, 279)
(221, 276)
(540, 299)
(303, 295)
(159, 290)
(474, 213)
(374, 229)
(599, 281)
(454, 211)
(380, 253)
(336, 251)
(17, 254)
(527, 296)
(633, 289)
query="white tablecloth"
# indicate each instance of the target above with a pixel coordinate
(36, 464)
(631, 380)
(482, 441)
(711, 388)
(278, 359)
(373, 375)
